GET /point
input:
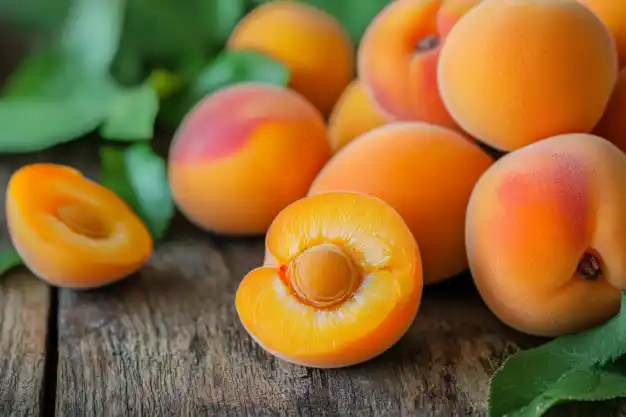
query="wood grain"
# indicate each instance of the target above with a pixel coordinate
(24, 310)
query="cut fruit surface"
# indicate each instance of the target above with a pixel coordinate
(71, 231)
(343, 284)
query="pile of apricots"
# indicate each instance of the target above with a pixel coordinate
(480, 135)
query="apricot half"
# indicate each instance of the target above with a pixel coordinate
(354, 114)
(546, 234)
(310, 42)
(514, 72)
(70, 231)
(343, 285)
(425, 172)
(612, 126)
(243, 154)
(398, 72)
(613, 14)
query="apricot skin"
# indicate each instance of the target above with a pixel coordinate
(318, 51)
(371, 320)
(531, 218)
(612, 126)
(512, 73)
(243, 154)
(400, 80)
(425, 172)
(48, 244)
(613, 14)
(354, 114)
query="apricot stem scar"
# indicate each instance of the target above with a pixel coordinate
(589, 267)
(323, 276)
(428, 43)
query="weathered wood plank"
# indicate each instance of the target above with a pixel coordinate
(24, 310)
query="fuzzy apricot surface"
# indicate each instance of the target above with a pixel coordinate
(310, 42)
(426, 172)
(402, 79)
(546, 235)
(70, 231)
(612, 126)
(243, 154)
(344, 282)
(613, 14)
(354, 114)
(512, 73)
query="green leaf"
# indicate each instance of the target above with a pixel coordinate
(132, 114)
(9, 259)
(228, 68)
(139, 176)
(32, 125)
(83, 50)
(530, 382)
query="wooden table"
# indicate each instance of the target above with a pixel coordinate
(167, 341)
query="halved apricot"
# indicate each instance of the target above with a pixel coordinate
(71, 231)
(342, 281)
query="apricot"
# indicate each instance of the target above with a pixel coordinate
(613, 14)
(343, 285)
(612, 126)
(310, 42)
(426, 172)
(243, 154)
(512, 73)
(70, 231)
(354, 114)
(546, 235)
(402, 78)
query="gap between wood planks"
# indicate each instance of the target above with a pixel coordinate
(51, 365)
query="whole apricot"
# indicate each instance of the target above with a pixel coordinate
(243, 154)
(310, 42)
(343, 285)
(425, 172)
(70, 231)
(612, 126)
(354, 114)
(546, 235)
(613, 14)
(512, 73)
(398, 58)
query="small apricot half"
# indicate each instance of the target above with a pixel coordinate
(71, 231)
(342, 282)
(546, 235)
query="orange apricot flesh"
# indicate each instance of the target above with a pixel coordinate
(612, 126)
(243, 154)
(426, 173)
(341, 283)
(512, 73)
(546, 235)
(401, 78)
(310, 42)
(72, 232)
(613, 14)
(354, 114)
